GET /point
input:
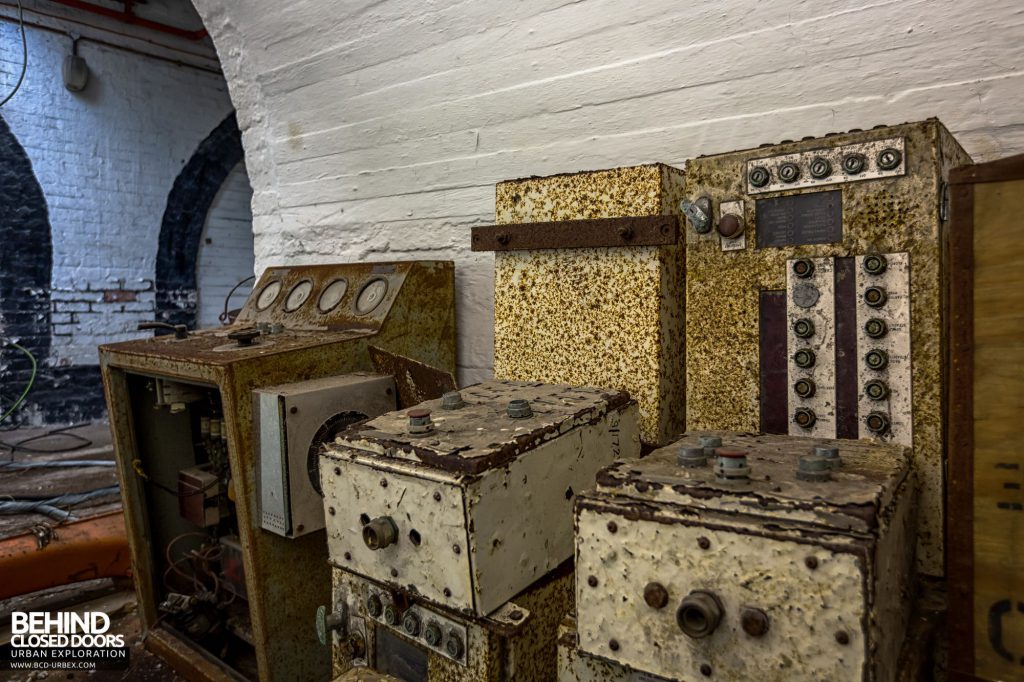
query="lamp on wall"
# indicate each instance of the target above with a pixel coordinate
(75, 70)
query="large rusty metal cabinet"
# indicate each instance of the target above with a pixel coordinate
(186, 404)
(816, 280)
(740, 556)
(589, 286)
(986, 502)
(450, 526)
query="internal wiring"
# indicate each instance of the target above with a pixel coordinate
(35, 368)
(225, 317)
(24, 61)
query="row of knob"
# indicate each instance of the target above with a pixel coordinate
(411, 624)
(876, 359)
(820, 168)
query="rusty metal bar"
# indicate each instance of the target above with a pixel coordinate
(654, 230)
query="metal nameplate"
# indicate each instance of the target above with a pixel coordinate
(827, 166)
(815, 218)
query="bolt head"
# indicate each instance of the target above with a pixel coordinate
(452, 401)
(519, 409)
(655, 595)
(754, 621)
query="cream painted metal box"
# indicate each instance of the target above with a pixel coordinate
(468, 506)
(686, 576)
(834, 246)
(608, 315)
(397, 633)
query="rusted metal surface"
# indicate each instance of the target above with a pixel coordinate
(93, 547)
(899, 214)
(824, 563)
(415, 380)
(483, 502)
(420, 324)
(595, 316)
(654, 230)
(495, 651)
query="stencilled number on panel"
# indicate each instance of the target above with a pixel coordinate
(811, 346)
(883, 347)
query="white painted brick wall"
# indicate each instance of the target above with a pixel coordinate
(106, 159)
(226, 250)
(376, 129)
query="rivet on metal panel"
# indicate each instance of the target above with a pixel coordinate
(294, 409)
(337, 471)
(705, 670)
(447, 592)
(754, 621)
(613, 644)
(348, 556)
(504, 238)
(806, 295)
(703, 543)
(332, 511)
(592, 581)
(394, 572)
(625, 232)
(456, 549)
(811, 562)
(655, 595)
(842, 637)
(613, 527)
(383, 483)
(437, 496)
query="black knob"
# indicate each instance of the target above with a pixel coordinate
(244, 337)
(875, 297)
(391, 615)
(789, 172)
(803, 267)
(877, 422)
(411, 624)
(876, 359)
(804, 417)
(804, 388)
(699, 614)
(803, 328)
(853, 164)
(759, 176)
(875, 265)
(876, 328)
(876, 389)
(453, 645)
(730, 226)
(432, 633)
(889, 158)
(804, 358)
(821, 168)
(374, 606)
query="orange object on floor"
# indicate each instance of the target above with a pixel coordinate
(93, 547)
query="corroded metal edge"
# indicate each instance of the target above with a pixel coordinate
(654, 230)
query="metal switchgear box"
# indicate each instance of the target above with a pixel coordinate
(761, 561)
(468, 506)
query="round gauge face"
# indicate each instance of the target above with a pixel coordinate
(332, 295)
(268, 295)
(298, 295)
(371, 296)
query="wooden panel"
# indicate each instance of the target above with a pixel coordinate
(998, 472)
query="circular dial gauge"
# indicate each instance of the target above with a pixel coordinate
(268, 295)
(298, 295)
(371, 296)
(332, 295)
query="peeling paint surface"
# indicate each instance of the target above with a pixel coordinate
(818, 559)
(898, 214)
(595, 316)
(483, 504)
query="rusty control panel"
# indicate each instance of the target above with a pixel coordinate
(589, 286)
(746, 556)
(213, 431)
(459, 512)
(816, 273)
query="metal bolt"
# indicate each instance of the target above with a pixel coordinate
(876, 328)
(875, 297)
(383, 483)
(705, 670)
(820, 168)
(754, 621)
(519, 409)
(625, 233)
(419, 421)
(804, 358)
(789, 172)
(655, 595)
(803, 328)
(293, 409)
(516, 615)
(805, 388)
(829, 453)
(394, 572)
(447, 592)
(504, 238)
(813, 468)
(804, 417)
(456, 549)
(337, 471)
(876, 389)
(803, 267)
(842, 637)
(613, 527)
(437, 496)
(875, 264)
(703, 543)
(889, 158)
(374, 606)
(877, 422)
(331, 511)
(876, 359)
(348, 556)
(853, 164)
(613, 644)
(811, 562)
(592, 581)
(692, 457)
(731, 465)
(452, 400)
(759, 176)
(432, 633)
(730, 226)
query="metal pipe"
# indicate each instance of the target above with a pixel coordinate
(127, 17)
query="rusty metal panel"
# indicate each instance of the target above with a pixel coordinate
(416, 381)
(478, 506)
(899, 213)
(595, 316)
(656, 230)
(685, 576)
(420, 324)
